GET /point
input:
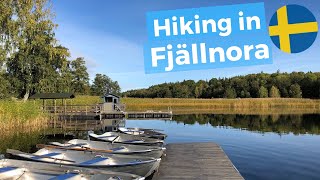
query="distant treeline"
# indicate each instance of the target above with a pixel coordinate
(262, 85)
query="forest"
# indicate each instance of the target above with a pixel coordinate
(261, 85)
(33, 61)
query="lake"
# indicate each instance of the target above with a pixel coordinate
(260, 146)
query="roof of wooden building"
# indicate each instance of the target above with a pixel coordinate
(110, 95)
(52, 96)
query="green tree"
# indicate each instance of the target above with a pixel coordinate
(283, 82)
(263, 92)
(274, 92)
(254, 87)
(102, 84)
(308, 85)
(295, 91)
(34, 60)
(6, 27)
(215, 89)
(197, 92)
(80, 76)
(180, 91)
(168, 93)
(4, 86)
(65, 80)
(230, 93)
(200, 88)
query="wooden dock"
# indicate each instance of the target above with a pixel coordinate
(196, 161)
(94, 112)
(149, 115)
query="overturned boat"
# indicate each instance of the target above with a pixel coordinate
(17, 169)
(106, 147)
(150, 133)
(115, 137)
(142, 166)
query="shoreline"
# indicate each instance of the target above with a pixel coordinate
(225, 106)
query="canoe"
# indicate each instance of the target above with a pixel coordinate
(143, 132)
(142, 166)
(115, 137)
(17, 169)
(106, 147)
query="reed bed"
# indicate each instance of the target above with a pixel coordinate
(226, 106)
(230, 106)
(21, 117)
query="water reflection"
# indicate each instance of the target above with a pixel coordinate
(63, 130)
(257, 156)
(277, 123)
(281, 124)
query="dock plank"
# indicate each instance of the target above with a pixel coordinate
(196, 161)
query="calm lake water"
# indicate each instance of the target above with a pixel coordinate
(261, 147)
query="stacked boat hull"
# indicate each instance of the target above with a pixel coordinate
(142, 166)
(15, 169)
(115, 155)
(112, 148)
(149, 133)
(122, 138)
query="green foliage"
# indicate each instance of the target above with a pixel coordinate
(201, 86)
(249, 86)
(31, 58)
(295, 91)
(34, 58)
(4, 86)
(102, 84)
(6, 26)
(65, 80)
(263, 92)
(274, 92)
(230, 93)
(80, 76)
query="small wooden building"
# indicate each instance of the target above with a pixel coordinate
(54, 97)
(111, 103)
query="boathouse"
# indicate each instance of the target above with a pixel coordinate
(111, 103)
(54, 97)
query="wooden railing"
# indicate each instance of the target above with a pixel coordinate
(74, 109)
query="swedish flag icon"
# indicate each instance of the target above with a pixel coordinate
(293, 28)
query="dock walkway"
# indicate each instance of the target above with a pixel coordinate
(196, 161)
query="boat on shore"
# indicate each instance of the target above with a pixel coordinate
(17, 169)
(142, 166)
(107, 147)
(115, 137)
(149, 133)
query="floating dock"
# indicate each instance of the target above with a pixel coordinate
(196, 161)
(149, 115)
(115, 115)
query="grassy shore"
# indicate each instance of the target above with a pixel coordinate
(17, 115)
(22, 116)
(223, 106)
(227, 106)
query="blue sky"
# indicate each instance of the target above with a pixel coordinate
(110, 35)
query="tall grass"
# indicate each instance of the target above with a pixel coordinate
(21, 117)
(242, 106)
(228, 106)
